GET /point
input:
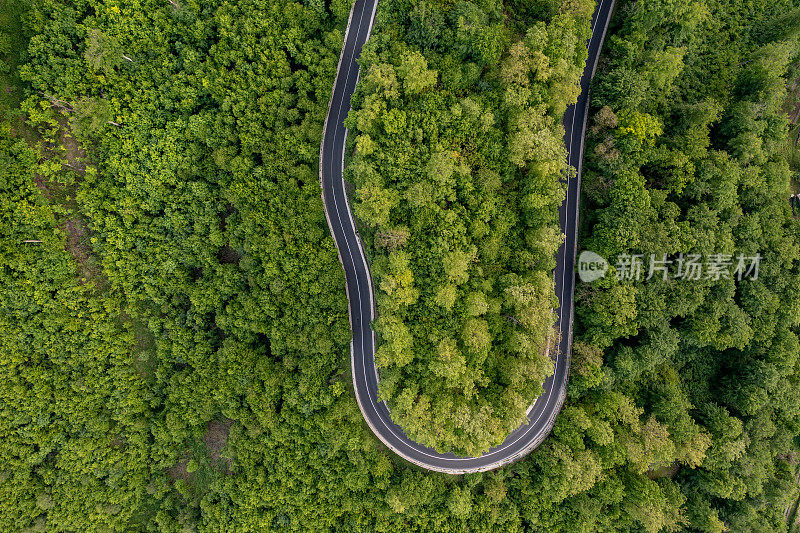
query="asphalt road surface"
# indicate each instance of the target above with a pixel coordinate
(542, 414)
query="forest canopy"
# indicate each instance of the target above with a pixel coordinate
(174, 341)
(457, 166)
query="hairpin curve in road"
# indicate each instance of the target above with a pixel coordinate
(360, 296)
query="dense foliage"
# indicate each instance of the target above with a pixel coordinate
(200, 201)
(174, 352)
(685, 156)
(458, 161)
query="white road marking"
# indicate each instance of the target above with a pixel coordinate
(405, 441)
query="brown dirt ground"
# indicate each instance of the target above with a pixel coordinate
(75, 154)
(76, 239)
(75, 227)
(793, 101)
(179, 471)
(216, 437)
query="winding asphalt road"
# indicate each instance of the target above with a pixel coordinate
(542, 414)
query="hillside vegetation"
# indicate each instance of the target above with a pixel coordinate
(174, 352)
(686, 156)
(218, 295)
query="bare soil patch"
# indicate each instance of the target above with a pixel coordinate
(76, 239)
(74, 153)
(179, 471)
(64, 148)
(216, 437)
(793, 101)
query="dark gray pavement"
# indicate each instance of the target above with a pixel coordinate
(541, 416)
